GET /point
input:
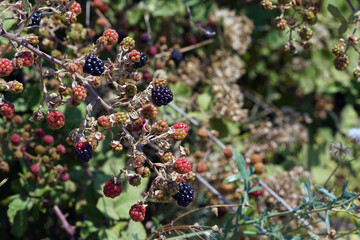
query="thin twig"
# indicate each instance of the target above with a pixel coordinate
(65, 224)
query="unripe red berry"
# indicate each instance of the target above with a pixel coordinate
(7, 109)
(27, 58)
(147, 76)
(152, 51)
(78, 93)
(16, 139)
(181, 125)
(137, 213)
(5, 67)
(39, 133)
(201, 167)
(60, 149)
(64, 177)
(75, 8)
(110, 37)
(182, 166)
(48, 139)
(35, 169)
(104, 121)
(55, 119)
(112, 190)
(256, 193)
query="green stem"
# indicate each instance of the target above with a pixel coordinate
(332, 173)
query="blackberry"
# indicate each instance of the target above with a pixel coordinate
(93, 66)
(185, 195)
(161, 96)
(35, 19)
(83, 151)
(142, 62)
(176, 55)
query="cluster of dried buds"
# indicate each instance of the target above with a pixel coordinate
(297, 17)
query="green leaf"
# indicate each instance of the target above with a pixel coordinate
(335, 12)
(134, 231)
(27, 6)
(256, 188)
(107, 234)
(326, 192)
(342, 29)
(353, 17)
(86, 228)
(20, 223)
(232, 178)
(240, 162)
(204, 101)
(327, 222)
(18, 204)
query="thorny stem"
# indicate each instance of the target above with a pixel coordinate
(65, 224)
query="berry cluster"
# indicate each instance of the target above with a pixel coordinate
(112, 190)
(78, 93)
(185, 195)
(5, 67)
(35, 19)
(75, 8)
(93, 66)
(142, 62)
(137, 213)
(182, 166)
(109, 37)
(176, 55)
(161, 96)
(83, 151)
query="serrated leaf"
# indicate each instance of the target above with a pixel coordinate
(335, 12)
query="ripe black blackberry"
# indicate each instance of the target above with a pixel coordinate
(35, 19)
(93, 66)
(161, 96)
(185, 195)
(83, 151)
(176, 55)
(142, 62)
